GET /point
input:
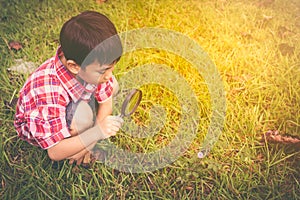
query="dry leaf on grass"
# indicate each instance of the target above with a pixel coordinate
(15, 45)
(275, 137)
(3, 183)
(284, 32)
(265, 3)
(22, 66)
(246, 35)
(286, 49)
(100, 1)
(267, 17)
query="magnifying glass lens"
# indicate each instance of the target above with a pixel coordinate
(134, 101)
(131, 102)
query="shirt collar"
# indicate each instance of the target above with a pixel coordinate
(75, 89)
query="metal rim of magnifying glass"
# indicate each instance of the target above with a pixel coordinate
(128, 98)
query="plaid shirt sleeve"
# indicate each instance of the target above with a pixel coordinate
(40, 115)
(47, 125)
(104, 91)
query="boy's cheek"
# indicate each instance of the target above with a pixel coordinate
(101, 81)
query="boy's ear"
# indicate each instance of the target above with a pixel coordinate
(73, 67)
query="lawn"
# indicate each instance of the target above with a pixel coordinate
(255, 48)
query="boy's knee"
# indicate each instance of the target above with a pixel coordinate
(83, 118)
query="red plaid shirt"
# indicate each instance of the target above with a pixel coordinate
(41, 110)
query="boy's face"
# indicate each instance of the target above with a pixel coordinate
(95, 73)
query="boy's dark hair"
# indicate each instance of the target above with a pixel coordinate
(90, 36)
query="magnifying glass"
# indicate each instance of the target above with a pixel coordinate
(131, 102)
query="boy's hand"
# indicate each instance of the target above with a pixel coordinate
(110, 125)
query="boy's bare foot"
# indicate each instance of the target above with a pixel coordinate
(88, 160)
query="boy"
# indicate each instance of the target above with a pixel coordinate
(55, 107)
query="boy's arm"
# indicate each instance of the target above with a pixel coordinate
(104, 109)
(70, 146)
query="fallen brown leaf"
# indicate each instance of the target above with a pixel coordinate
(259, 158)
(273, 136)
(3, 183)
(283, 32)
(15, 45)
(286, 49)
(100, 1)
(76, 169)
(189, 188)
(267, 17)
(265, 3)
(246, 35)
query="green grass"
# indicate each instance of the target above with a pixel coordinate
(262, 86)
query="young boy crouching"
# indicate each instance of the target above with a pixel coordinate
(56, 106)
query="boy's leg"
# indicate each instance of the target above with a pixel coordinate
(80, 116)
(82, 119)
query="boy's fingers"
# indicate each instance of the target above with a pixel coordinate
(114, 129)
(116, 118)
(119, 119)
(71, 161)
(116, 124)
(79, 161)
(111, 125)
(87, 158)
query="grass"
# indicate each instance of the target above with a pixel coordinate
(261, 79)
